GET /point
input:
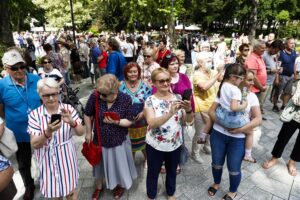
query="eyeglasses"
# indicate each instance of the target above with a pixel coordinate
(147, 56)
(16, 68)
(162, 81)
(47, 96)
(246, 49)
(47, 62)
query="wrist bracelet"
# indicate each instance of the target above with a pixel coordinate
(189, 112)
(46, 136)
(75, 124)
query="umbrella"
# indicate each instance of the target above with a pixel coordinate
(179, 27)
(193, 28)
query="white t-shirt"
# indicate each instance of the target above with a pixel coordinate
(228, 93)
(297, 64)
(55, 74)
(252, 101)
(129, 50)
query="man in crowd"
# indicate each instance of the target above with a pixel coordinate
(95, 53)
(18, 97)
(163, 51)
(270, 58)
(256, 64)
(287, 57)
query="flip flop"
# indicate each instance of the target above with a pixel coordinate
(97, 193)
(227, 197)
(211, 191)
(292, 170)
(267, 165)
(249, 159)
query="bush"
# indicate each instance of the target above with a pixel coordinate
(291, 29)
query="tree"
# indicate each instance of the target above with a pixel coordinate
(6, 38)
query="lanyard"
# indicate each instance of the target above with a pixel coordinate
(25, 99)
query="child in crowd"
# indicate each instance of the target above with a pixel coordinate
(233, 103)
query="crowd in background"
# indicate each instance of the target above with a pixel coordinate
(145, 96)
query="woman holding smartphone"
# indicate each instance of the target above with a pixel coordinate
(164, 112)
(51, 138)
(117, 164)
(139, 91)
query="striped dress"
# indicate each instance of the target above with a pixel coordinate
(57, 159)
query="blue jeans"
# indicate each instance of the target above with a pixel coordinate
(231, 119)
(233, 149)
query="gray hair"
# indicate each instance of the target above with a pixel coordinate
(46, 82)
(200, 59)
(258, 43)
(148, 51)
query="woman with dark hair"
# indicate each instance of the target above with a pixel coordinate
(56, 58)
(139, 91)
(162, 51)
(116, 60)
(227, 143)
(244, 52)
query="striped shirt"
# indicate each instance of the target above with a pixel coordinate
(57, 159)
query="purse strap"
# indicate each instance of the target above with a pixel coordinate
(97, 118)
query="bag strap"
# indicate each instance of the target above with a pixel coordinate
(97, 118)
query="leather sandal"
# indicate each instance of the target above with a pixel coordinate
(118, 192)
(227, 197)
(212, 191)
(97, 193)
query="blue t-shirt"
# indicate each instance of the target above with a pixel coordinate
(116, 64)
(95, 54)
(17, 103)
(288, 62)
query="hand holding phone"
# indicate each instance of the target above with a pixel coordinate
(55, 117)
(113, 115)
(187, 94)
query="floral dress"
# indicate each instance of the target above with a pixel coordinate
(167, 137)
(137, 131)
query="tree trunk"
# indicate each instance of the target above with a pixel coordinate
(6, 37)
(253, 18)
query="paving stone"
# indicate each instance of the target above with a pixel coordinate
(296, 189)
(258, 194)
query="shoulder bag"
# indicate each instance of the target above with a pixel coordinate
(8, 144)
(91, 151)
(289, 111)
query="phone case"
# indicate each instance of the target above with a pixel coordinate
(112, 115)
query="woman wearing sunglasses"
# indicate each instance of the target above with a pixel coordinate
(244, 53)
(51, 128)
(49, 71)
(148, 66)
(164, 112)
(117, 165)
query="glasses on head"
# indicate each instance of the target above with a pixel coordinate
(147, 56)
(16, 68)
(170, 55)
(240, 77)
(246, 49)
(47, 96)
(162, 81)
(47, 62)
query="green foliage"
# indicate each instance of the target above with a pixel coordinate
(289, 30)
(283, 16)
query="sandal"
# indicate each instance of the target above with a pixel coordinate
(268, 164)
(201, 141)
(163, 169)
(249, 159)
(118, 192)
(96, 194)
(212, 191)
(227, 197)
(292, 170)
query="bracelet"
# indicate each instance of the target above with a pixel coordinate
(75, 124)
(189, 112)
(46, 136)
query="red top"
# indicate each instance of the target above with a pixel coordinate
(161, 55)
(102, 63)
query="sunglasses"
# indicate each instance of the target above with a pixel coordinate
(170, 55)
(246, 49)
(47, 62)
(103, 95)
(147, 56)
(47, 96)
(240, 77)
(162, 81)
(16, 68)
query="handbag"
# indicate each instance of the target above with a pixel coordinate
(289, 111)
(91, 151)
(34, 169)
(8, 144)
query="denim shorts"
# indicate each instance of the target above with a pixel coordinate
(230, 119)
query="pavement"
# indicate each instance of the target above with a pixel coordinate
(194, 179)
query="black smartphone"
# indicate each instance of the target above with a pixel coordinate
(187, 94)
(55, 117)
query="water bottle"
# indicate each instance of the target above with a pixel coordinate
(244, 93)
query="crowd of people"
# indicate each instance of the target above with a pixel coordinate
(144, 97)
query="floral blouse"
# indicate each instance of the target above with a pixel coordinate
(168, 136)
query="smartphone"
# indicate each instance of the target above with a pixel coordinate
(187, 94)
(55, 117)
(113, 115)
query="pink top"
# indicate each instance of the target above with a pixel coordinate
(256, 64)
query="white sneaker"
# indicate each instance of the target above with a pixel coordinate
(206, 149)
(197, 158)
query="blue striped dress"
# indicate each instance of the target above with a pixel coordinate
(57, 159)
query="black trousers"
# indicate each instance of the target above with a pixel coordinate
(24, 161)
(285, 134)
